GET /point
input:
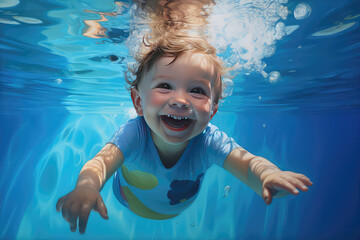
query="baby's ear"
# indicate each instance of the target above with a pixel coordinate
(214, 110)
(136, 99)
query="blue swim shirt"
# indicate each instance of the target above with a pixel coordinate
(150, 190)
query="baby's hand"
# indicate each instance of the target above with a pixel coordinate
(282, 183)
(78, 204)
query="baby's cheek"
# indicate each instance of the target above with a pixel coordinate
(204, 107)
(155, 100)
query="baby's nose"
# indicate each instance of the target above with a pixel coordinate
(179, 102)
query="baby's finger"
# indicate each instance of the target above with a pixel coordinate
(296, 183)
(59, 203)
(65, 213)
(307, 181)
(299, 184)
(83, 217)
(302, 178)
(287, 186)
(101, 208)
(267, 196)
(72, 222)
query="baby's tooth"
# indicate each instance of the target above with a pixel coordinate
(177, 118)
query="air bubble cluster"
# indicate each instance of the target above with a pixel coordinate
(302, 11)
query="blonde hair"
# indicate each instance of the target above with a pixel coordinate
(177, 27)
(175, 47)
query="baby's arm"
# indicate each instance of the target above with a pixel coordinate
(86, 195)
(263, 176)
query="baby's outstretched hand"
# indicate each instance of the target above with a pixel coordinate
(78, 204)
(282, 183)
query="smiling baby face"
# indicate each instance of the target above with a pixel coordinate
(176, 97)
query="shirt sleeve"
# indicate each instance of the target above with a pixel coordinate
(130, 136)
(218, 145)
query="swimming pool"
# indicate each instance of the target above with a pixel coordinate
(63, 96)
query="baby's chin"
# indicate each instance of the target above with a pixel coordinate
(167, 137)
(176, 138)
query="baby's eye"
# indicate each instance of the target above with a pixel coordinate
(164, 85)
(198, 90)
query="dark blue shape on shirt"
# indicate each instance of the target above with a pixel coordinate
(182, 190)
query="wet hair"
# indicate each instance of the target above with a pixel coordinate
(177, 27)
(175, 46)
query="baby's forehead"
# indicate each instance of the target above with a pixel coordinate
(187, 61)
(196, 58)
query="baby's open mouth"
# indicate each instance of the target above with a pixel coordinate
(176, 123)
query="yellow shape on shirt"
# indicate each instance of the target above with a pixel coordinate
(140, 209)
(139, 179)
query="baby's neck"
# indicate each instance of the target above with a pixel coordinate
(168, 153)
(169, 160)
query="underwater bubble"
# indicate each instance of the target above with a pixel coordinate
(227, 189)
(27, 20)
(7, 21)
(280, 30)
(302, 11)
(58, 80)
(244, 33)
(274, 76)
(283, 12)
(280, 26)
(9, 3)
(227, 86)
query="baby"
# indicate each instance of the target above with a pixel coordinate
(159, 158)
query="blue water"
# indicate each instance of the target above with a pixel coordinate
(62, 96)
